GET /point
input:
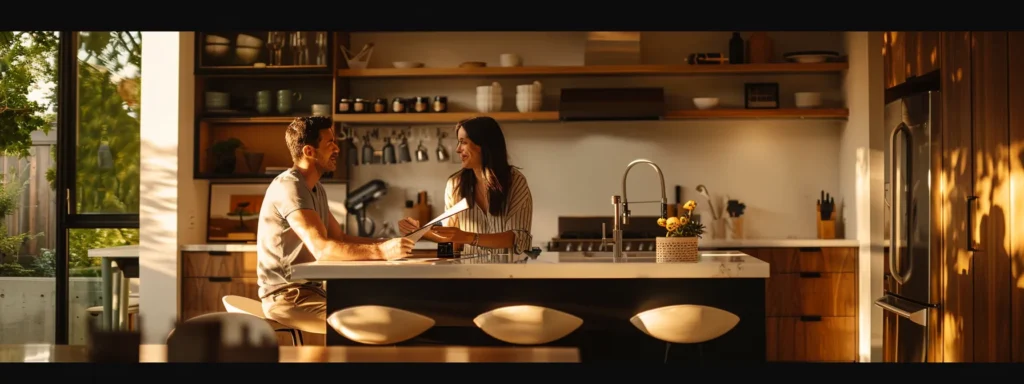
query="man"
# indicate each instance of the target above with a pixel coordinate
(296, 226)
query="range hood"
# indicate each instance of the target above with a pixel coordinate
(596, 104)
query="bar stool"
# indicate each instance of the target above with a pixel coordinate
(527, 324)
(378, 325)
(685, 324)
(239, 304)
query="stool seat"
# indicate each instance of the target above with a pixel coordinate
(686, 323)
(378, 325)
(527, 324)
(240, 304)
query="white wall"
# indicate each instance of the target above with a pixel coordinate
(169, 196)
(860, 167)
(777, 167)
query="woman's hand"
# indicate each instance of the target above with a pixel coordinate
(408, 225)
(452, 235)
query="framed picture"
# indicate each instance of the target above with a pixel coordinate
(234, 209)
(761, 96)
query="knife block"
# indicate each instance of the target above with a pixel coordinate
(826, 228)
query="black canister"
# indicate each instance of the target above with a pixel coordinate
(440, 104)
(360, 106)
(398, 105)
(345, 106)
(422, 104)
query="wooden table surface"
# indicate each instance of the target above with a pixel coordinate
(157, 353)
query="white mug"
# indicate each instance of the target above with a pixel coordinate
(321, 110)
(510, 60)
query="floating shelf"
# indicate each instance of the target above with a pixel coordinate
(552, 116)
(610, 70)
(249, 119)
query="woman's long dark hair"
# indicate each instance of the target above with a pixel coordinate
(486, 133)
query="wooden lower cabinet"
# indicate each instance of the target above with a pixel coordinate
(209, 276)
(811, 303)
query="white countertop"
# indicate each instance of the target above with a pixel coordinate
(703, 244)
(550, 265)
(119, 251)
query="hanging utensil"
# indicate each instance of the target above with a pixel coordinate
(367, 148)
(704, 192)
(442, 151)
(404, 154)
(389, 151)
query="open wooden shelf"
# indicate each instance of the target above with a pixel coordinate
(249, 119)
(685, 69)
(552, 116)
(782, 113)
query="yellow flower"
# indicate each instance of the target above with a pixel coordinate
(661, 221)
(672, 224)
(683, 220)
(690, 205)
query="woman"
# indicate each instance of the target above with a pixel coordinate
(500, 214)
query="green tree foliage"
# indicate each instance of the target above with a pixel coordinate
(109, 82)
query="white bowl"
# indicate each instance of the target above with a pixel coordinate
(247, 41)
(217, 50)
(705, 102)
(407, 64)
(248, 55)
(807, 99)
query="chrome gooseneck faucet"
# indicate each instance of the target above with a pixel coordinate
(622, 206)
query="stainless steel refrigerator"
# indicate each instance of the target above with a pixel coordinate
(912, 121)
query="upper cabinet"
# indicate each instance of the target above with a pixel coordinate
(908, 54)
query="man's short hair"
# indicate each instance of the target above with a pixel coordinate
(305, 131)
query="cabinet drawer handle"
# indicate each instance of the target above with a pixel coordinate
(220, 253)
(219, 279)
(810, 249)
(810, 319)
(810, 275)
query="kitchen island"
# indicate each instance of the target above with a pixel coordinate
(594, 300)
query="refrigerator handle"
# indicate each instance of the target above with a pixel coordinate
(894, 223)
(970, 226)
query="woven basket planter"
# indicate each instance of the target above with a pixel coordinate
(677, 250)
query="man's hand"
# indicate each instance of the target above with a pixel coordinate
(452, 235)
(396, 248)
(408, 225)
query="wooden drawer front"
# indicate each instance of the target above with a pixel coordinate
(812, 259)
(811, 294)
(812, 339)
(202, 295)
(219, 264)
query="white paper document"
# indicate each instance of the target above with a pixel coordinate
(462, 205)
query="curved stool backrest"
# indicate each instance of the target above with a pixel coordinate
(222, 336)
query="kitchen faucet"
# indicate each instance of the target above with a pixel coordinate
(622, 208)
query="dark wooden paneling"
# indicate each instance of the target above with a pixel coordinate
(1016, 103)
(605, 305)
(991, 185)
(957, 176)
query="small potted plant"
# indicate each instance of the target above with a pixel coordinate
(223, 155)
(680, 241)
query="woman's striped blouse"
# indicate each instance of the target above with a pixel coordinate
(518, 217)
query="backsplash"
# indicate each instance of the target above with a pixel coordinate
(777, 168)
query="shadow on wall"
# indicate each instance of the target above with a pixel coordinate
(159, 222)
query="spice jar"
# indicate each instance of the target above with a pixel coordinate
(380, 106)
(345, 106)
(422, 104)
(360, 106)
(398, 105)
(440, 104)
